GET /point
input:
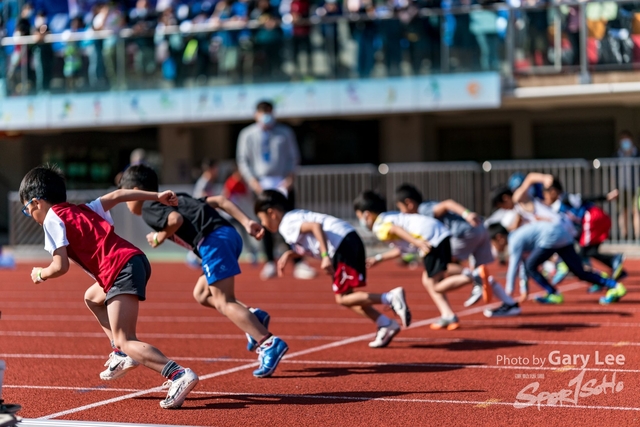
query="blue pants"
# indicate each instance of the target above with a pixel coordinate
(573, 261)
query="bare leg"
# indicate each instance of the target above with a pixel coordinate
(358, 298)
(452, 282)
(622, 223)
(636, 219)
(123, 317)
(94, 298)
(221, 296)
(360, 303)
(440, 300)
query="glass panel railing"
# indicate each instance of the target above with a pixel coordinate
(562, 37)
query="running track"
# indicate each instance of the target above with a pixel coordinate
(54, 351)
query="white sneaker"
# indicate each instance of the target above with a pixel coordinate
(304, 271)
(268, 271)
(476, 294)
(385, 335)
(118, 366)
(179, 389)
(399, 306)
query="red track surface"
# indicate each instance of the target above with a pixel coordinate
(54, 351)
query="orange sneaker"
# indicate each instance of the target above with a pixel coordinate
(487, 293)
(450, 324)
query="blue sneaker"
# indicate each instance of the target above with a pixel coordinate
(264, 318)
(270, 352)
(618, 262)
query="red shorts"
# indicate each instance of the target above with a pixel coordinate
(349, 265)
(596, 226)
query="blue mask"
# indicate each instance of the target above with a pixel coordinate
(363, 222)
(626, 144)
(267, 119)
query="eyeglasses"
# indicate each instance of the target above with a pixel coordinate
(25, 208)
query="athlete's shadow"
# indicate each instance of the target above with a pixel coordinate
(546, 327)
(242, 401)
(579, 313)
(391, 368)
(470, 344)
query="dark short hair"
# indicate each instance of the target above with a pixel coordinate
(44, 182)
(626, 132)
(208, 163)
(271, 199)
(407, 191)
(370, 201)
(498, 193)
(264, 106)
(497, 229)
(139, 176)
(556, 185)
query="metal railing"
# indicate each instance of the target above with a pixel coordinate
(331, 189)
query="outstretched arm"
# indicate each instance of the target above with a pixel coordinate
(385, 256)
(316, 229)
(58, 267)
(521, 195)
(422, 245)
(252, 227)
(455, 207)
(110, 200)
(174, 222)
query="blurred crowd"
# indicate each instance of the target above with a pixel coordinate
(273, 40)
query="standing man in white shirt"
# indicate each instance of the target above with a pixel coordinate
(267, 157)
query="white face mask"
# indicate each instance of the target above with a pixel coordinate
(363, 222)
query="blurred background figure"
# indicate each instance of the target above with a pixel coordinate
(628, 187)
(205, 185)
(268, 156)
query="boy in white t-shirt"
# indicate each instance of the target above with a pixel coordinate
(342, 252)
(417, 233)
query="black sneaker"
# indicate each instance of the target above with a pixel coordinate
(503, 311)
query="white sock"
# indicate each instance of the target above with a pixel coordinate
(499, 292)
(383, 321)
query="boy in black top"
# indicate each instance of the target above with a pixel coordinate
(196, 225)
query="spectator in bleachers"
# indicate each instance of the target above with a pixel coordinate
(143, 20)
(267, 41)
(331, 9)
(301, 37)
(107, 18)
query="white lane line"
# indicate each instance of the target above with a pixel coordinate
(162, 336)
(231, 395)
(176, 319)
(296, 354)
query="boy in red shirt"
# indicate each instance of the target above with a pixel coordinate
(85, 234)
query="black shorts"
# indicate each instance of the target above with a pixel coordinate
(438, 258)
(132, 279)
(349, 263)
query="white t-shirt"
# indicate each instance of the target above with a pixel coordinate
(55, 232)
(419, 226)
(306, 243)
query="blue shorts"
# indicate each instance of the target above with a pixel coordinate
(220, 251)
